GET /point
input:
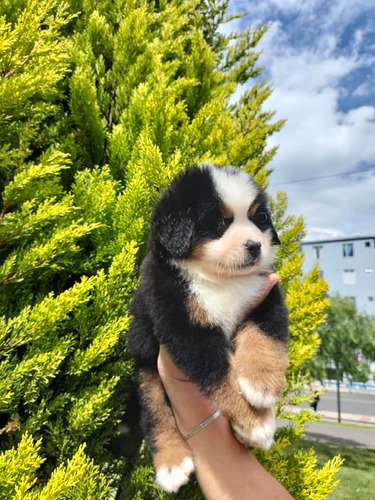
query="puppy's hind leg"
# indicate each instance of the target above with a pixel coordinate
(173, 460)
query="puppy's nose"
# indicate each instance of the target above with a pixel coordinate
(253, 247)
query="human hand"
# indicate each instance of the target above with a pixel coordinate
(270, 281)
(190, 407)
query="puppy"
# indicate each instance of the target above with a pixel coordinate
(211, 244)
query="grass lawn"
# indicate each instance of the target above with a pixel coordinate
(357, 475)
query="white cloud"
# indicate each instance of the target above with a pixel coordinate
(337, 207)
(323, 232)
(362, 90)
(317, 139)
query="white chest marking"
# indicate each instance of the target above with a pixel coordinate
(226, 303)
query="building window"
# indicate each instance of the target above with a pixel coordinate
(367, 244)
(371, 299)
(369, 270)
(348, 277)
(318, 252)
(348, 250)
(352, 299)
(321, 274)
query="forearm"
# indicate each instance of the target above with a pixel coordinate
(225, 469)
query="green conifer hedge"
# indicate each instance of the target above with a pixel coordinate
(102, 102)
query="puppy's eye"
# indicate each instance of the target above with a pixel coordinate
(258, 218)
(225, 222)
(261, 217)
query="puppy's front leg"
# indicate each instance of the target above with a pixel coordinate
(260, 362)
(253, 426)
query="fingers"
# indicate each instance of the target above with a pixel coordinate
(272, 279)
(270, 282)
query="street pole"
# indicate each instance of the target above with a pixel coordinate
(338, 392)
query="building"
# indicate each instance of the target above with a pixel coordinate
(348, 265)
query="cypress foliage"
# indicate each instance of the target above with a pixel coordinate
(101, 104)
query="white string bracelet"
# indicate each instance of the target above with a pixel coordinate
(202, 425)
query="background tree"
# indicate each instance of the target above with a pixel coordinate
(101, 104)
(347, 342)
(347, 345)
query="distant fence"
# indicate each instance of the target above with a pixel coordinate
(369, 386)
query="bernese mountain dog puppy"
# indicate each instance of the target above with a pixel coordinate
(212, 242)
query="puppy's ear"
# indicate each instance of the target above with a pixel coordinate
(175, 232)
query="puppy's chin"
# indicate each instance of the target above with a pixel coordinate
(245, 266)
(246, 269)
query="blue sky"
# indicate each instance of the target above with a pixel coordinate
(320, 58)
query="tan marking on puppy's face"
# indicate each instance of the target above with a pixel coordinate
(253, 209)
(197, 253)
(227, 211)
(170, 448)
(196, 313)
(260, 359)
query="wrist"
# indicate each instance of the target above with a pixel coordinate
(219, 429)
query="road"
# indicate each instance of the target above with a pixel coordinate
(356, 407)
(351, 402)
(339, 434)
(323, 432)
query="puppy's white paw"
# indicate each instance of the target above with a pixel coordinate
(170, 479)
(261, 436)
(258, 399)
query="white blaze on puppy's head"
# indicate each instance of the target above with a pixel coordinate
(235, 188)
